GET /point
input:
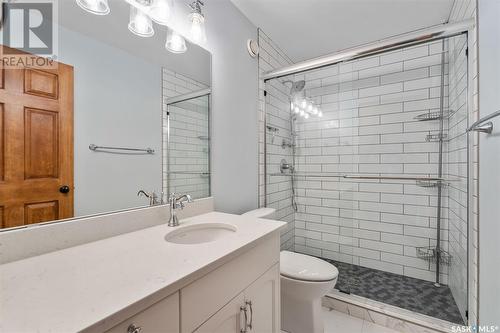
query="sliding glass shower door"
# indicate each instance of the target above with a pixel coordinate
(368, 160)
(187, 146)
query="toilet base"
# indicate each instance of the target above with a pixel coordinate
(299, 316)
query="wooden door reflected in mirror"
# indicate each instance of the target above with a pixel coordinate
(36, 145)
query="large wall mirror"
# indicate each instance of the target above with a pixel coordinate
(119, 115)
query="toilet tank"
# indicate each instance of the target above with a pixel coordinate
(261, 213)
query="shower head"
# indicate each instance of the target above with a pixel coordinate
(297, 86)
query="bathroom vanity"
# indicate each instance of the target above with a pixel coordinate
(214, 273)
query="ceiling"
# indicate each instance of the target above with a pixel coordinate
(306, 29)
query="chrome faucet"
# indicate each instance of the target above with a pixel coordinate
(154, 199)
(175, 203)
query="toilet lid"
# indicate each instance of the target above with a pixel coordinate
(306, 268)
(261, 213)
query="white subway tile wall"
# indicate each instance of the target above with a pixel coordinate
(276, 105)
(189, 138)
(462, 10)
(369, 128)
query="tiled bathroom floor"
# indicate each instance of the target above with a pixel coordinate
(338, 322)
(401, 291)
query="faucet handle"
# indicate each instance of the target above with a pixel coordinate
(142, 192)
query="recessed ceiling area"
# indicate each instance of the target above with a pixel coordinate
(306, 29)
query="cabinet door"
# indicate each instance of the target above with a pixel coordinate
(229, 319)
(160, 317)
(264, 295)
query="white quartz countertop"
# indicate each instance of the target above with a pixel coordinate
(95, 286)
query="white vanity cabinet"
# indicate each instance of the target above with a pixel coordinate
(254, 310)
(160, 317)
(240, 296)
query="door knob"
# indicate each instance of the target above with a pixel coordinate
(64, 189)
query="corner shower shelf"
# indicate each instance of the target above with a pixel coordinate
(430, 183)
(436, 137)
(431, 254)
(272, 129)
(431, 116)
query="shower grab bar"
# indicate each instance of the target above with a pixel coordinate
(189, 173)
(435, 179)
(481, 126)
(146, 150)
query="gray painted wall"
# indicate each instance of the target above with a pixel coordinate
(117, 103)
(234, 108)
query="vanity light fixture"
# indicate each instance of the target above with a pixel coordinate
(197, 19)
(144, 12)
(97, 7)
(140, 23)
(161, 10)
(175, 42)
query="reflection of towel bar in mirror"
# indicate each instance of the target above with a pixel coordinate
(194, 173)
(190, 173)
(146, 150)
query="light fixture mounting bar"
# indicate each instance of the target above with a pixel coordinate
(196, 6)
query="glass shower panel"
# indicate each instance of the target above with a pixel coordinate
(280, 147)
(188, 148)
(327, 146)
(370, 175)
(458, 171)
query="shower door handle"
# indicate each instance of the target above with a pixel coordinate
(482, 125)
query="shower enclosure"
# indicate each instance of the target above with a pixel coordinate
(186, 137)
(367, 160)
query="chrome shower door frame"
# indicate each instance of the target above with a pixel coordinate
(166, 149)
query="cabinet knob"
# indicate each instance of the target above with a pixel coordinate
(134, 329)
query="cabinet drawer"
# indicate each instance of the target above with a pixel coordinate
(160, 317)
(204, 297)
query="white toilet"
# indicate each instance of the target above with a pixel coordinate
(304, 281)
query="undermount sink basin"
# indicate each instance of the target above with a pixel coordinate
(200, 233)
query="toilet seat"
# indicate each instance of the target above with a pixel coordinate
(306, 268)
